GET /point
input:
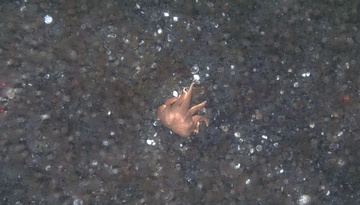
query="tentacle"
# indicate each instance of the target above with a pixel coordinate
(195, 108)
(185, 97)
(171, 101)
(197, 119)
(160, 112)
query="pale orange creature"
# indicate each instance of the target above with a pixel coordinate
(176, 115)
